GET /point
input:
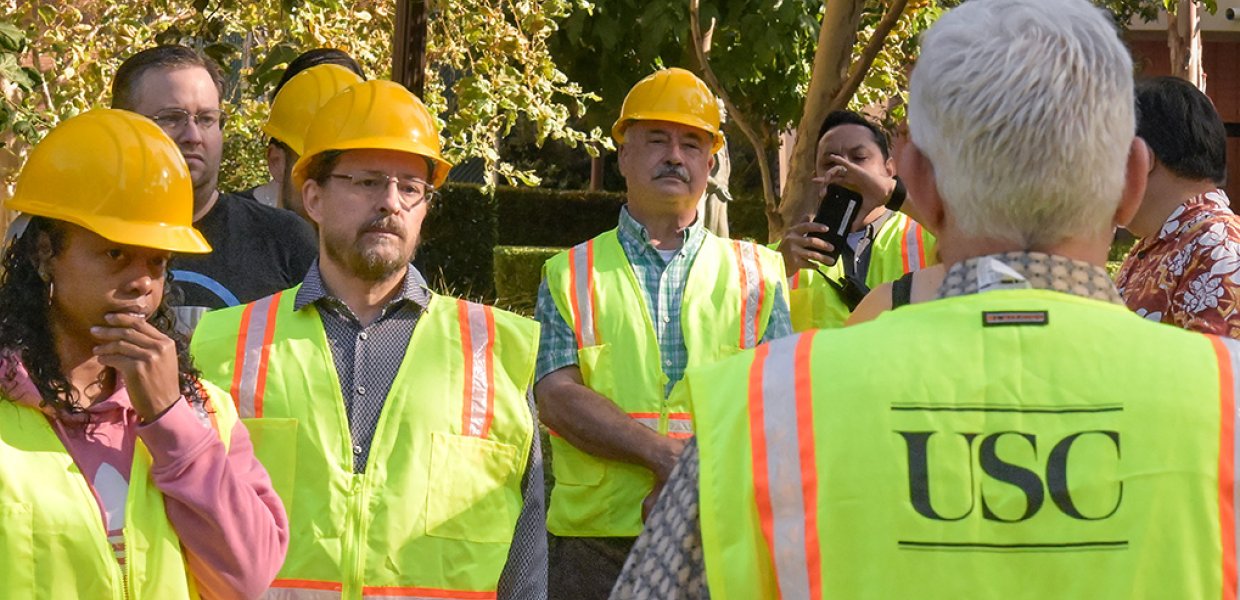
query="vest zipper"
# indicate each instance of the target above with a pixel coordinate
(354, 557)
(123, 569)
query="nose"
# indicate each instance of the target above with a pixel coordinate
(190, 134)
(675, 154)
(390, 200)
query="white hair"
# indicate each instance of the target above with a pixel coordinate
(1025, 110)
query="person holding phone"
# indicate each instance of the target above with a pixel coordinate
(123, 473)
(827, 280)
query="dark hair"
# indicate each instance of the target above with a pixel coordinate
(848, 117)
(125, 84)
(317, 56)
(26, 333)
(320, 166)
(1182, 128)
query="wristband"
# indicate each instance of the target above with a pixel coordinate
(898, 194)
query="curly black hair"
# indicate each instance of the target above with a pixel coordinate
(26, 333)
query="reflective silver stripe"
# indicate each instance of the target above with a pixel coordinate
(480, 381)
(783, 463)
(651, 422)
(747, 254)
(1233, 350)
(251, 357)
(680, 426)
(299, 594)
(580, 255)
(912, 244)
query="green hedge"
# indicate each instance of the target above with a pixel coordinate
(518, 271)
(457, 238)
(538, 217)
(465, 229)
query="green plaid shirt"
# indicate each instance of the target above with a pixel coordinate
(664, 286)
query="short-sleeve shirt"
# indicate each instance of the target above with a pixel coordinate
(1189, 274)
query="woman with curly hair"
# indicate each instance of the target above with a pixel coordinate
(122, 474)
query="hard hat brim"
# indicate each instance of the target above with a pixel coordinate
(618, 129)
(380, 143)
(284, 137)
(161, 236)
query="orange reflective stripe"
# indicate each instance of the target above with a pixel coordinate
(649, 419)
(258, 325)
(297, 589)
(581, 272)
(785, 473)
(912, 252)
(680, 425)
(795, 281)
(1228, 353)
(752, 291)
(303, 589)
(478, 343)
(418, 593)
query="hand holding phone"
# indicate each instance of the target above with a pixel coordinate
(837, 210)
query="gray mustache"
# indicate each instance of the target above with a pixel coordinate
(677, 171)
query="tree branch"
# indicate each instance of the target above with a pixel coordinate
(701, 47)
(856, 74)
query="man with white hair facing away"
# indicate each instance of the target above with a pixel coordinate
(1034, 438)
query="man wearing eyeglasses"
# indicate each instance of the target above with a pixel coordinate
(397, 423)
(257, 250)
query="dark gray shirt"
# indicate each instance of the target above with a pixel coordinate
(367, 359)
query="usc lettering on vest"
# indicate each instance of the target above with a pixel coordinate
(992, 466)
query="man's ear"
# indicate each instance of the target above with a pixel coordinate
(1136, 175)
(312, 199)
(276, 160)
(917, 173)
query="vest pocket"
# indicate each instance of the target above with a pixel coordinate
(16, 550)
(474, 489)
(275, 446)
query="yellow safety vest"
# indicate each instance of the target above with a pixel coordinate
(53, 543)
(434, 513)
(1031, 444)
(901, 246)
(727, 304)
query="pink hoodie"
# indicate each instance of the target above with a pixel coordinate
(221, 503)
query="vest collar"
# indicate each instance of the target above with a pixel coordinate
(1029, 270)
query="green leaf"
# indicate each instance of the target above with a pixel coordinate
(12, 39)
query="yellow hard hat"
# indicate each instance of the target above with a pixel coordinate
(374, 114)
(674, 95)
(300, 98)
(117, 174)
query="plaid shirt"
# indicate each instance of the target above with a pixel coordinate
(663, 282)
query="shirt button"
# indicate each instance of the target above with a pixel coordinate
(667, 319)
(363, 335)
(357, 449)
(667, 363)
(361, 390)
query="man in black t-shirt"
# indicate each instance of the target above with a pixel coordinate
(256, 250)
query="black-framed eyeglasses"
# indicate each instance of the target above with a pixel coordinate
(373, 185)
(174, 120)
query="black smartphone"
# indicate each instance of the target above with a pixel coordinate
(836, 210)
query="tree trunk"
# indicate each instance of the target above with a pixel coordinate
(1184, 41)
(836, 39)
(409, 45)
(596, 173)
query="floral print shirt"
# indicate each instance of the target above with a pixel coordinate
(1189, 274)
